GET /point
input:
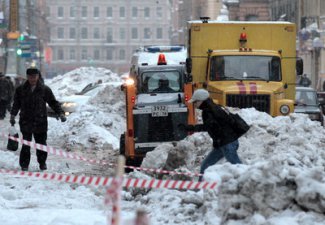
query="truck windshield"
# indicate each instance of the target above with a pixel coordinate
(245, 68)
(160, 82)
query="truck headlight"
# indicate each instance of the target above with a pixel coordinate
(284, 109)
(69, 104)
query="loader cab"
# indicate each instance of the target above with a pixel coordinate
(157, 101)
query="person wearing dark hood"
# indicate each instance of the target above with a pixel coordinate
(218, 124)
(5, 95)
(304, 81)
(30, 99)
(12, 89)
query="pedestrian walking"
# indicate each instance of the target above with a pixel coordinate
(30, 100)
(5, 95)
(12, 89)
(304, 81)
(218, 124)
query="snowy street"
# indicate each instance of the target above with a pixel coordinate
(281, 180)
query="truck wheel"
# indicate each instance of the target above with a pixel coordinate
(122, 144)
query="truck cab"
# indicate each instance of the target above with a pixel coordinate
(156, 102)
(245, 64)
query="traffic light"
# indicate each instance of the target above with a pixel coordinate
(19, 51)
(21, 37)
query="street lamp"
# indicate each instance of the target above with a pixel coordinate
(317, 47)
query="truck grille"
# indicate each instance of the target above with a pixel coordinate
(159, 129)
(259, 102)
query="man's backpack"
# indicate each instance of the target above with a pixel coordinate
(239, 124)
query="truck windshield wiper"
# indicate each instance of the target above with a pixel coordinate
(255, 77)
(230, 78)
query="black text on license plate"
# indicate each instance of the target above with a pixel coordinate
(159, 111)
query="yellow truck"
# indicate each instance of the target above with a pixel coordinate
(245, 64)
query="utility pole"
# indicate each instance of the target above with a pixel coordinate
(12, 36)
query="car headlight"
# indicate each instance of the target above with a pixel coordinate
(284, 109)
(314, 116)
(69, 104)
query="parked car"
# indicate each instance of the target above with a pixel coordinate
(70, 104)
(307, 102)
(321, 100)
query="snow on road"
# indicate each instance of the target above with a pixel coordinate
(281, 181)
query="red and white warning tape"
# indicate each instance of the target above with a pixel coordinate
(54, 151)
(64, 154)
(106, 181)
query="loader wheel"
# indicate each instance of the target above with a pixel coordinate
(122, 144)
(132, 162)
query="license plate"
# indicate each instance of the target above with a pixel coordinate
(159, 111)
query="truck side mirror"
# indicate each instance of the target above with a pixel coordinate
(188, 65)
(299, 66)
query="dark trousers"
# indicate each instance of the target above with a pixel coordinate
(24, 158)
(229, 151)
(3, 108)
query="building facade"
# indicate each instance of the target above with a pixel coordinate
(185, 10)
(104, 33)
(248, 10)
(309, 16)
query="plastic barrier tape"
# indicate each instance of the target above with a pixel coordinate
(106, 181)
(62, 153)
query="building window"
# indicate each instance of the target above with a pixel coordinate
(159, 12)
(122, 33)
(96, 12)
(134, 12)
(109, 12)
(72, 33)
(60, 54)
(122, 12)
(122, 54)
(251, 18)
(84, 54)
(134, 33)
(72, 12)
(146, 33)
(72, 54)
(84, 11)
(159, 33)
(84, 33)
(48, 11)
(147, 12)
(96, 33)
(109, 35)
(96, 54)
(60, 32)
(60, 12)
(109, 54)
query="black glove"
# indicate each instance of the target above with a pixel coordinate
(12, 120)
(185, 127)
(63, 118)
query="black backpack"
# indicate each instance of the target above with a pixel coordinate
(239, 124)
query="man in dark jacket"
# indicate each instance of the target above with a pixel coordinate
(30, 99)
(304, 81)
(218, 124)
(12, 89)
(5, 95)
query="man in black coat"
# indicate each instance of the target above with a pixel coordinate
(30, 99)
(6, 94)
(218, 124)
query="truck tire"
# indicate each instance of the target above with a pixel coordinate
(122, 144)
